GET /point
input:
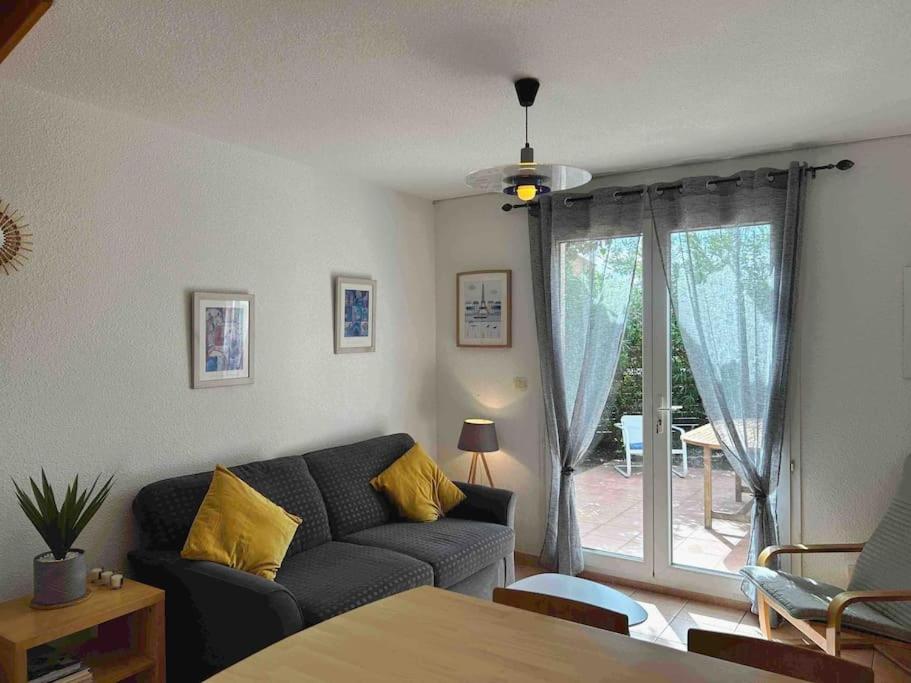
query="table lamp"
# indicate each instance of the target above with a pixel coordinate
(478, 436)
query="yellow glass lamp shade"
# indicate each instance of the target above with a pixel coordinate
(526, 192)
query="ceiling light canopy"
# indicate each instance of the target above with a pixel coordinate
(527, 179)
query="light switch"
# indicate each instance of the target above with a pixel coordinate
(520, 383)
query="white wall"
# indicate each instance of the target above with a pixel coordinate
(473, 234)
(854, 410)
(129, 218)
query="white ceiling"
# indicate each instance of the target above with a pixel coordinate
(415, 94)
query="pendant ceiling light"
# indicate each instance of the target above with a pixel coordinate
(527, 179)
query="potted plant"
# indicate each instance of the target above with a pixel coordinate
(59, 575)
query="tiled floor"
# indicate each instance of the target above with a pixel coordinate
(669, 619)
(609, 506)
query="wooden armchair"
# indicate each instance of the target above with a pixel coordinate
(877, 605)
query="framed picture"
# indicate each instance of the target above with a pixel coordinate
(355, 315)
(484, 308)
(222, 339)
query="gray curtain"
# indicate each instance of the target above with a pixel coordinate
(730, 254)
(584, 255)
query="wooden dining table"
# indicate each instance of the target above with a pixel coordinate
(430, 634)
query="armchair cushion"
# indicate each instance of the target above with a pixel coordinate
(455, 548)
(337, 577)
(885, 562)
(809, 600)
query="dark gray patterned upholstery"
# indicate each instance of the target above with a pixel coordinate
(337, 577)
(166, 509)
(344, 473)
(455, 548)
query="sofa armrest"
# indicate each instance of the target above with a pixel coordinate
(221, 615)
(486, 504)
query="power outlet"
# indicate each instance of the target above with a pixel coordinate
(520, 383)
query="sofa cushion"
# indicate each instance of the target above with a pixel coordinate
(344, 473)
(166, 509)
(809, 600)
(239, 527)
(455, 548)
(337, 577)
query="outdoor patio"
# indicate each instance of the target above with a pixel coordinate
(610, 517)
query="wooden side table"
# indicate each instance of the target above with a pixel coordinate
(130, 633)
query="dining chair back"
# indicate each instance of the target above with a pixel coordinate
(779, 658)
(563, 608)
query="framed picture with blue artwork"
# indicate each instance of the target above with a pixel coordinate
(222, 339)
(355, 315)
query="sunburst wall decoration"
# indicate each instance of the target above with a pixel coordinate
(15, 243)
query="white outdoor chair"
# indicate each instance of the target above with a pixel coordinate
(631, 427)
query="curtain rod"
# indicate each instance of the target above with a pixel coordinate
(842, 165)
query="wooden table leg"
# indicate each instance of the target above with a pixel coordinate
(13, 664)
(707, 485)
(148, 638)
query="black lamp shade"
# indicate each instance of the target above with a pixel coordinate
(478, 436)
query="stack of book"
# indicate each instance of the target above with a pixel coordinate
(49, 665)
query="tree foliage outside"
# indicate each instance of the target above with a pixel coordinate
(710, 264)
(586, 266)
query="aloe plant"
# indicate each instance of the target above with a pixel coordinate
(60, 527)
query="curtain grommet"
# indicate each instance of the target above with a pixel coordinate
(739, 181)
(617, 196)
(568, 202)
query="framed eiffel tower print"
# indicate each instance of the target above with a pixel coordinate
(484, 309)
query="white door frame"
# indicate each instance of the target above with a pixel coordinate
(656, 566)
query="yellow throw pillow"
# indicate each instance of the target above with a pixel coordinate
(417, 487)
(239, 527)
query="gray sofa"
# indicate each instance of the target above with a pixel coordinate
(350, 549)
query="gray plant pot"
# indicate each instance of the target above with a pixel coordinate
(59, 581)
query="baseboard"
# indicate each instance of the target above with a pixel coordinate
(532, 561)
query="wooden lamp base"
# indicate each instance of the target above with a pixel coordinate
(473, 469)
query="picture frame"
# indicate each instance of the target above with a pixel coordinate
(355, 315)
(223, 332)
(484, 309)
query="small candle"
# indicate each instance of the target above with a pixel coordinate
(117, 581)
(106, 577)
(95, 574)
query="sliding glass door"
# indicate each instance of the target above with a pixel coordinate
(657, 500)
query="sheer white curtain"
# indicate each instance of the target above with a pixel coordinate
(584, 259)
(730, 253)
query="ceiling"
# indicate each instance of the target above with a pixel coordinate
(415, 94)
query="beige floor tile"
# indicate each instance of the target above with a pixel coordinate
(661, 609)
(702, 616)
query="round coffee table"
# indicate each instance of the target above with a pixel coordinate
(583, 590)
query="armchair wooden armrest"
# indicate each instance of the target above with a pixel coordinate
(841, 601)
(801, 548)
